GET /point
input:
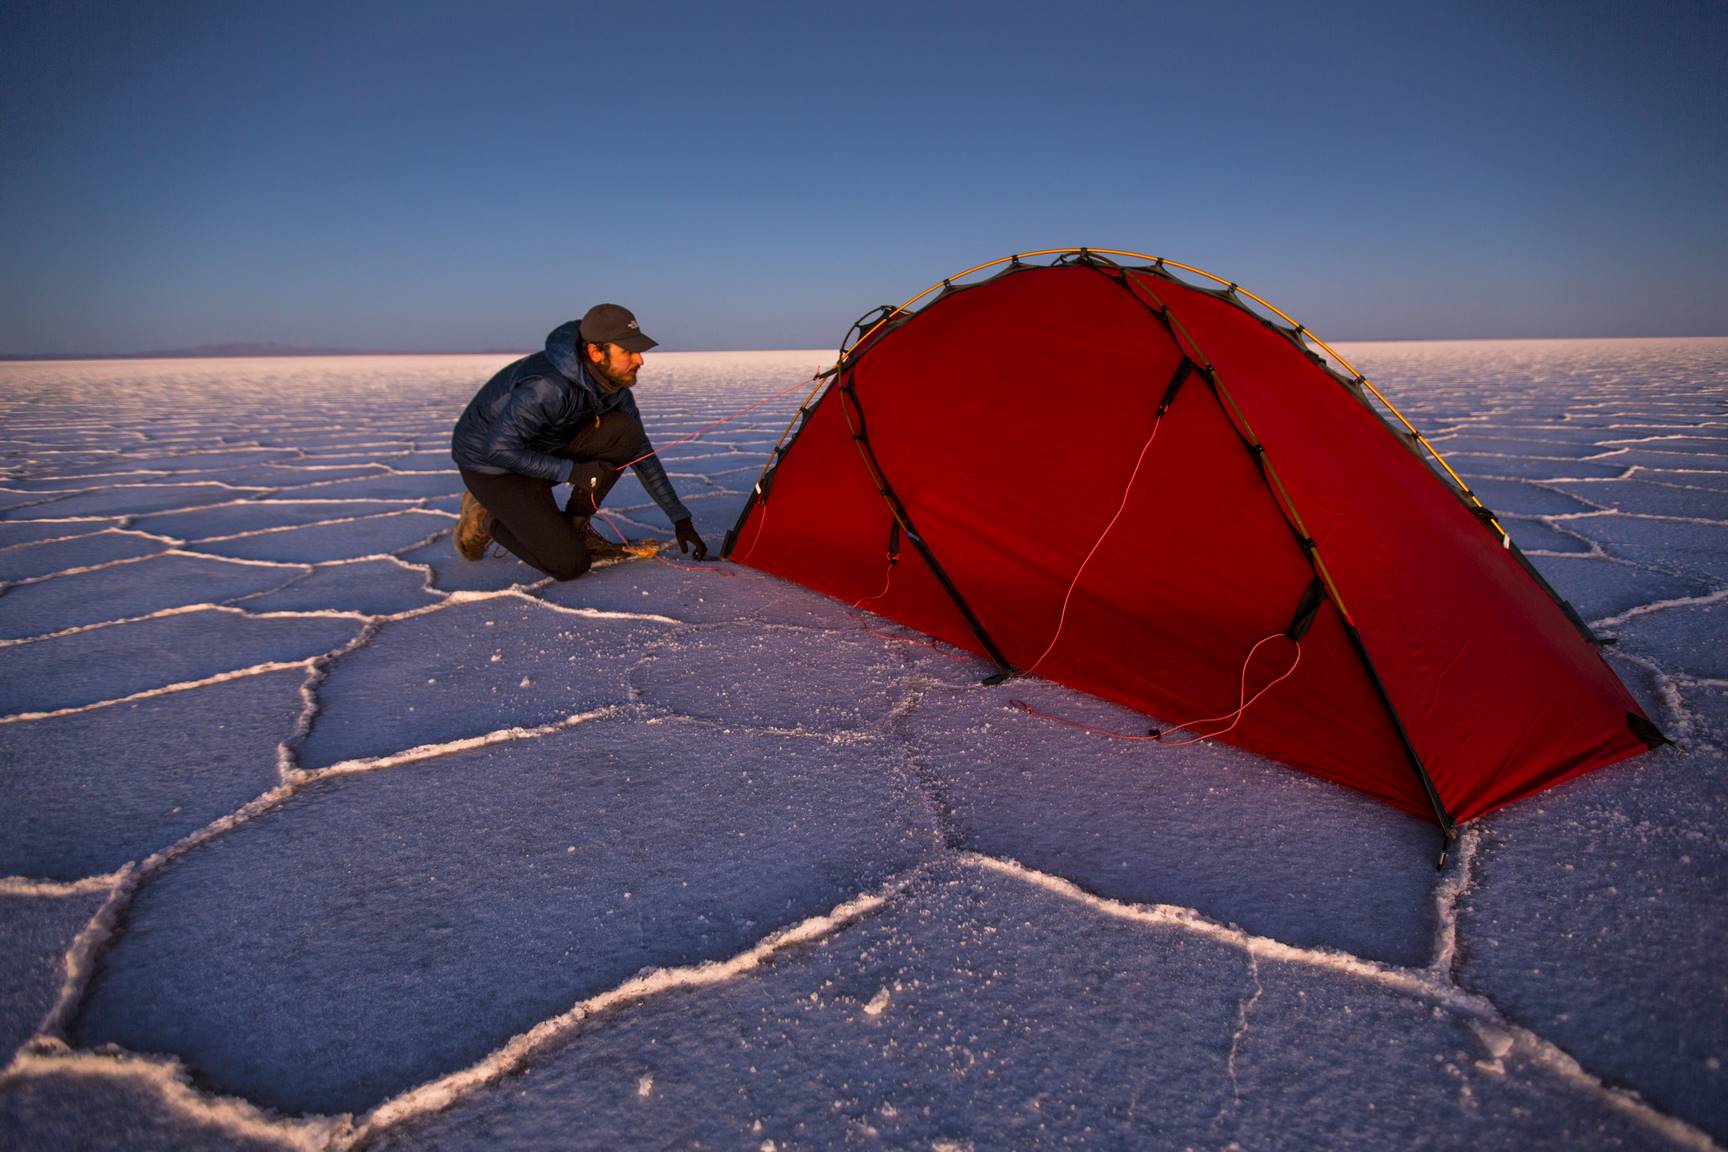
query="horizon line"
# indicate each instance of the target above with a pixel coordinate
(292, 353)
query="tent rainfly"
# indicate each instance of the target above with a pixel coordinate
(1146, 489)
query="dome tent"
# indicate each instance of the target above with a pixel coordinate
(1148, 490)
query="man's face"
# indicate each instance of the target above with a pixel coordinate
(616, 368)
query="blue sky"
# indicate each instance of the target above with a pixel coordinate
(440, 176)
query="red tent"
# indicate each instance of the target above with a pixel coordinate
(1125, 482)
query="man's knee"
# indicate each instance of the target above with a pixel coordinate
(621, 442)
(616, 439)
(570, 567)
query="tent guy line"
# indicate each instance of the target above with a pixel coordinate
(1159, 734)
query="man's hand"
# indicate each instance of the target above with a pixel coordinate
(587, 475)
(686, 533)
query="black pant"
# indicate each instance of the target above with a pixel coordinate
(525, 518)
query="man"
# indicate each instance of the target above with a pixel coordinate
(562, 416)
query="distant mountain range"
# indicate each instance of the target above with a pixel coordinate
(243, 348)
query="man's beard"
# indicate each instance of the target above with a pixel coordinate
(613, 381)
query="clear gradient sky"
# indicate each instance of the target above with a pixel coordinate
(453, 176)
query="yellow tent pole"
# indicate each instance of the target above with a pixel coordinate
(1231, 285)
(1301, 330)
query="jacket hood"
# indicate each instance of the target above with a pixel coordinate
(564, 349)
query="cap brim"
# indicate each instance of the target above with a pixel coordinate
(637, 343)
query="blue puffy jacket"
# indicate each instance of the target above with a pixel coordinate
(535, 406)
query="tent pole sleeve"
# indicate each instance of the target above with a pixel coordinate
(861, 438)
(1448, 826)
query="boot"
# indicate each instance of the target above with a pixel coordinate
(473, 529)
(599, 548)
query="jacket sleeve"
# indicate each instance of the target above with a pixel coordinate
(653, 476)
(532, 406)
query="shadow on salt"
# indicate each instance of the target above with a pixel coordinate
(1540, 536)
(1238, 838)
(1526, 498)
(789, 677)
(497, 571)
(1474, 464)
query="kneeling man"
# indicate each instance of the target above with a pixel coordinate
(565, 415)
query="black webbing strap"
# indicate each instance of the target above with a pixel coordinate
(1307, 610)
(1183, 371)
(861, 436)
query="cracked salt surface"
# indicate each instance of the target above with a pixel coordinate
(705, 857)
(98, 664)
(616, 846)
(469, 669)
(333, 539)
(1600, 587)
(1136, 823)
(86, 793)
(129, 589)
(132, 499)
(382, 587)
(39, 930)
(243, 516)
(16, 533)
(33, 561)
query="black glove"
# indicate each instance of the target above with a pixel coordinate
(686, 533)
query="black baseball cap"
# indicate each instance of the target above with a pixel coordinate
(614, 324)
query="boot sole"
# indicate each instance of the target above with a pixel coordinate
(471, 541)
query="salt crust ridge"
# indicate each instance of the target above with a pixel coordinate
(127, 560)
(1715, 597)
(278, 529)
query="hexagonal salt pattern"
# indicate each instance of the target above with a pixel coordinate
(483, 891)
(90, 791)
(446, 855)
